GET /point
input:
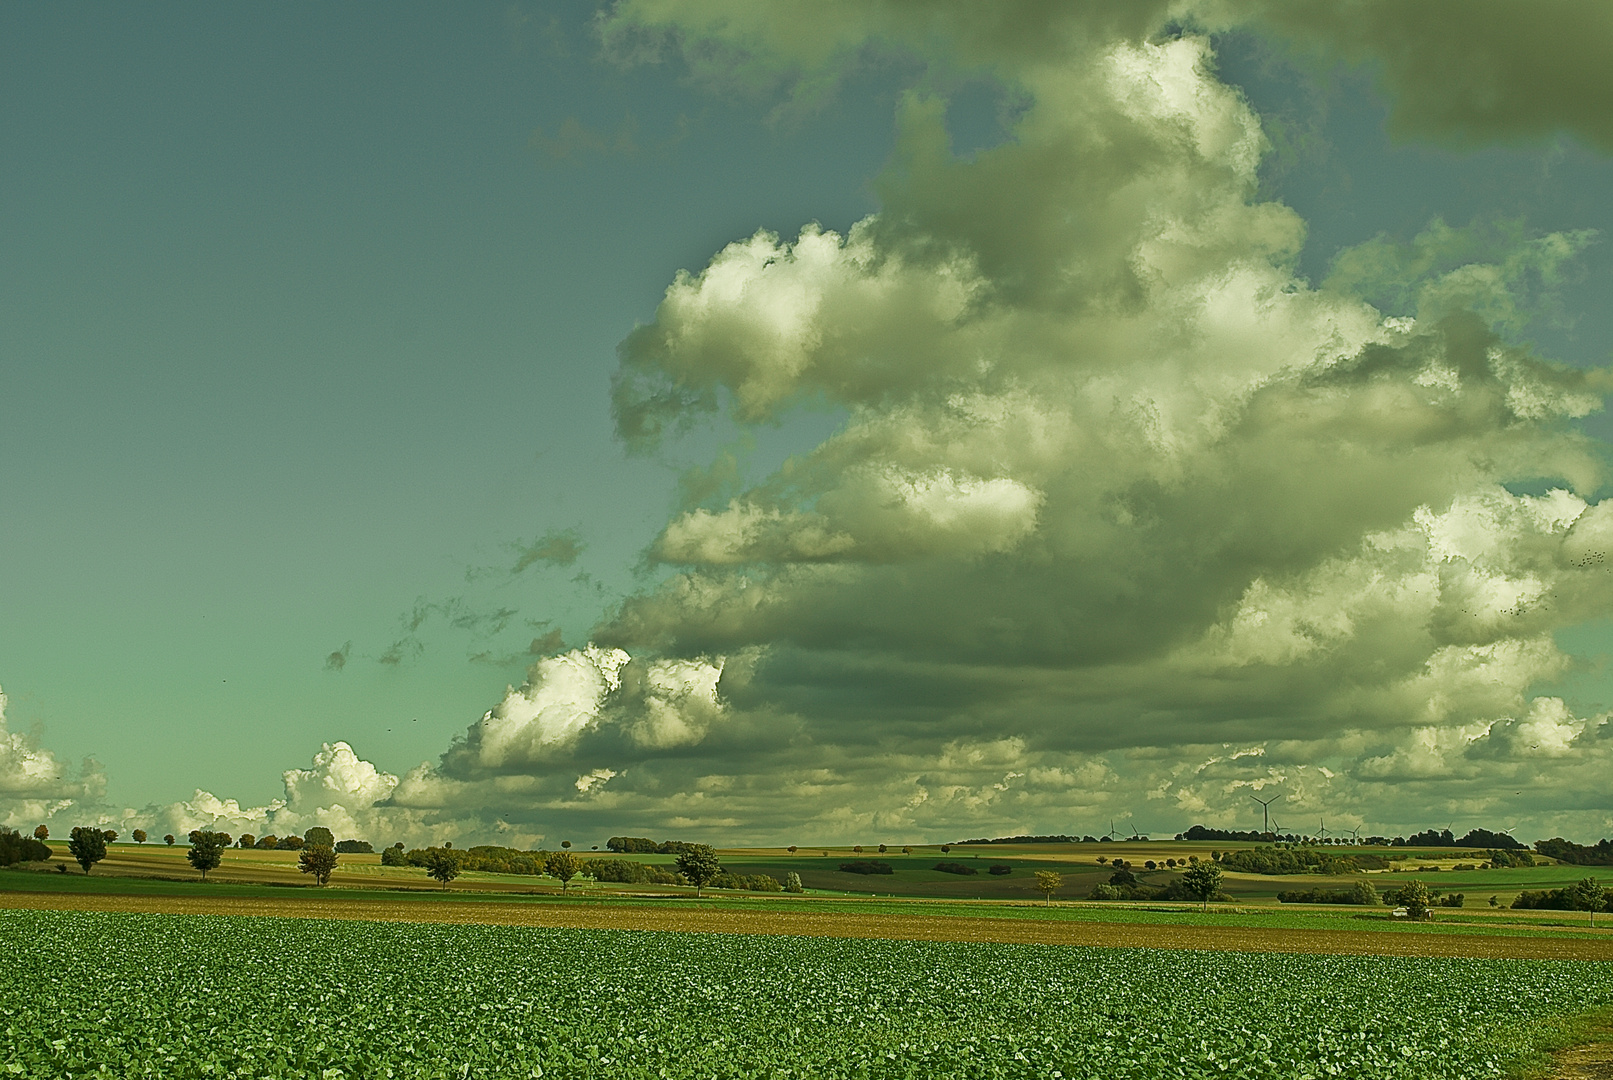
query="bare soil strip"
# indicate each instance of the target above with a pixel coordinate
(839, 924)
(1594, 1062)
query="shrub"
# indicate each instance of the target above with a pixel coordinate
(750, 882)
(792, 883)
(999, 869)
(628, 872)
(866, 866)
(354, 847)
(956, 868)
(393, 857)
(16, 848)
(1361, 892)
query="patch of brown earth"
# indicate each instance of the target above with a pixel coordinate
(1593, 1062)
(839, 923)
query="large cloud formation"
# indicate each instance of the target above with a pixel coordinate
(35, 784)
(1124, 518)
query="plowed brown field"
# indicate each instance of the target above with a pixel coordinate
(672, 916)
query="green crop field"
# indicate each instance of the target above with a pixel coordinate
(91, 994)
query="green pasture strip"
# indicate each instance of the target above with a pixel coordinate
(147, 996)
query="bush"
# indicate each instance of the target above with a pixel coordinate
(1361, 892)
(354, 847)
(394, 857)
(792, 883)
(1300, 861)
(1101, 891)
(16, 848)
(750, 882)
(1551, 900)
(628, 872)
(866, 866)
(955, 868)
(999, 869)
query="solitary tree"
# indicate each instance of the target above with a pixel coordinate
(1049, 882)
(41, 833)
(1415, 897)
(698, 863)
(319, 835)
(206, 850)
(790, 849)
(169, 839)
(110, 834)
(318, 860)
(563, 865)
(566, 844)
(139, 836)
(442, 865)
(87, 845)
(1202, 880)
(1588, 895)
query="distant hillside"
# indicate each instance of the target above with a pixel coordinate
(1060, 839)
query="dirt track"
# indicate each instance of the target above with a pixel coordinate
(835, 923)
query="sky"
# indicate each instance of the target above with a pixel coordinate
(828, 422)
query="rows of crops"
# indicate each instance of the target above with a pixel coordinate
(93, 994)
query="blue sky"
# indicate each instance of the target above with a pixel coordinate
(308, 328)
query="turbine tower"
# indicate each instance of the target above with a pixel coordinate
(1265, 810)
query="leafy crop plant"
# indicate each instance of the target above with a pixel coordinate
(178, 997)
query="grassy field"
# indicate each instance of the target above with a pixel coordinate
(164, 996)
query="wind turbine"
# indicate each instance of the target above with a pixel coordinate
(1111, 832)
(1135, 835)
(1323, 830)
(1265, 810)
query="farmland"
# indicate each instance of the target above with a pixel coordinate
(913, 876)
(153, 995)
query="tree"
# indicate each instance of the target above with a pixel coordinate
(566, 844)
(139, 836)
(246, 840)
(790, 849)
(319, 835)
(442, 865)
(1202, 880)
(110, 834)
(41, 833)
(87, 845)
(1415, 897)
(207, 850)
(1049, 882)
(169, 839)
(698, 863)
(1587, 895)
(318, 860)
(792, 883)
(563, 865)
